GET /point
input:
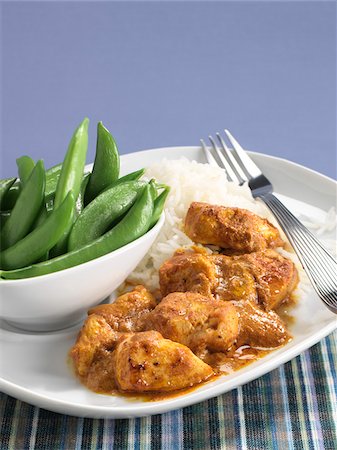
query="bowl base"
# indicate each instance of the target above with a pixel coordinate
(42, 327)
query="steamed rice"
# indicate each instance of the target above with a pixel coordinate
(191, 181)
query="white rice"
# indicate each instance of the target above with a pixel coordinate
(191, 181)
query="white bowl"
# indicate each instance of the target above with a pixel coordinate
(58, 300)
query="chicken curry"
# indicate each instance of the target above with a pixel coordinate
(215, 312)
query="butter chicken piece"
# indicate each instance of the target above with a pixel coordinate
(265, 277)
(201, 323)
(94, 336)
(146, 362)
(235, 280)
(276, 277)
(188, 271)
(230, 228)
(128, 310)
(260, 328)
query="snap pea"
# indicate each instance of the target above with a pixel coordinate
(35, 245)
(131, 176)
(80, 198)
(44, 213)
(102, 212)
(159, 204)
(71, 176)
(4, 216)
(52, 177)
(22, 217)
(153, 189)
(11, 197)
(106, 165)
(73, 165)
(133, 225)
(5, 185)
(25, 166)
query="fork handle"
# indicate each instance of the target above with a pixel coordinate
(318, 263)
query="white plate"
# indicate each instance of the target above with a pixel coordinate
(34, 367)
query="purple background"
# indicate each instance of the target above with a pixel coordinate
(160, 74)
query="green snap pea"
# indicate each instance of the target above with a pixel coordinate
(5, 186)
(71, 175)
(35, 244)
(26, 208)
(159, 204)
(99, 215)
(4, 216)
(11, 197)
(25, 167)
(153, 189)
(80, 198)
(133, 225)
(39, 221)
(131, 176)
(106, 165)
(73, 165)
(52, 177)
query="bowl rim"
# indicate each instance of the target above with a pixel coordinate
(154, 230)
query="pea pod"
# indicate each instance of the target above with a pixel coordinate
(71, 176)
(80, 198)
(11, 197)
(131, 176)
(106, 164)
(5, 186)
(4, 216)
(25, 167)
(73, 165)
(52, 177)
(35, 245)
(26, 208)
(153, 189)
(133, 225)
(159, 204)
(39, 221)
(102, 212)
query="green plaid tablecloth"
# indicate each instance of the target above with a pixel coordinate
(292, 407)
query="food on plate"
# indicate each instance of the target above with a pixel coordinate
(260, 328)
(201, 323)
(106, 165)
(39, 241)
(22, 218)
(146, 361)
(230, 228)
(64, 216)
(128, 312)
(265, 277)
(5, 186)
(25, 167)
(212, 313)
(276, 276)
(97, 217)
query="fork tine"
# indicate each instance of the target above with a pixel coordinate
(231, 175)
(210, 158)
(249, 167)
(233, 164)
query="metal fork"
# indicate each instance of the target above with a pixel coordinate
(319, 265)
